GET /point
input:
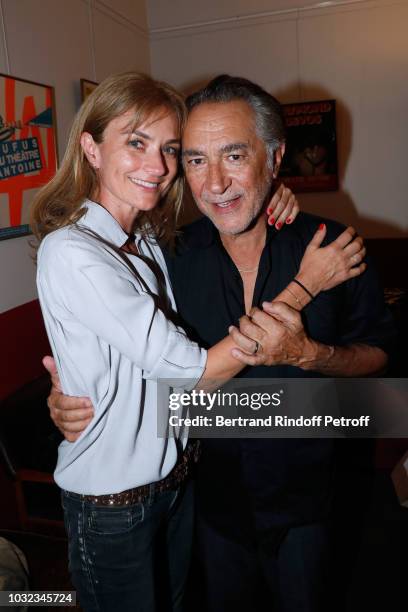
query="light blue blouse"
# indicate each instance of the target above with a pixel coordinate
(111, 346)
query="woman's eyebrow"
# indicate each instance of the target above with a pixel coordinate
(147, 137)
(142, 134)
(176, 141)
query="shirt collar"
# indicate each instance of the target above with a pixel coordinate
(99, 220)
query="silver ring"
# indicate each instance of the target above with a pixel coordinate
(256, 348)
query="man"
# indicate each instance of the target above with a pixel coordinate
(262, 505)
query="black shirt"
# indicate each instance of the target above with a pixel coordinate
(268, 482)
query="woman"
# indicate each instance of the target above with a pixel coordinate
(109, 312)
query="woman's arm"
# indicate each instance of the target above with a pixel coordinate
(321, 268)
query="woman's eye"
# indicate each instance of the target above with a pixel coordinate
(136, 144)
(173, 151)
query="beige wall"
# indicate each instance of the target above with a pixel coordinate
(57, 42)
(165, 13)
(353, 51)
(356, 52)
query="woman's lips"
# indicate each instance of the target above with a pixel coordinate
(150, 185)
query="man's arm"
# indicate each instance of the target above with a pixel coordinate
(283, 341)
(70, 414)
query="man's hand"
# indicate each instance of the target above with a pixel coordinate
(283, 207)
(281, 339)
(70, 414)
(273, 337)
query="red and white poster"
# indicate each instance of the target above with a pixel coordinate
(27, 149)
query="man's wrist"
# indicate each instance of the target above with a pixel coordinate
(317, 356)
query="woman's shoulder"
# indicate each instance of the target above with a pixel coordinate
(67, 245)
(54, 242)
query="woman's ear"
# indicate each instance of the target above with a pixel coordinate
(279, 153)
(90, 149)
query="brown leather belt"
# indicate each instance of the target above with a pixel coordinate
(173, 480)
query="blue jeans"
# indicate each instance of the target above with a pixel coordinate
(131, 558)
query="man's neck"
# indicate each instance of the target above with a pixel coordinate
(245, 248)
(245, 251)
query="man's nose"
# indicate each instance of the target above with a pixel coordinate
(217, 181)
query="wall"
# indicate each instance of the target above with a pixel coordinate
(57, 42)
(355, 51)
(165, 14)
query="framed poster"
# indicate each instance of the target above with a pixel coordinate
(28, 157)
(310, 161)
(87, 88)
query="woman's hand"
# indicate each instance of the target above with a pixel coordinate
(283, 207)
(323, 268)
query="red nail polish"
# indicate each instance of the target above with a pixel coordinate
(289, 220)
(278, 226)
(321, 226)
(271, 221)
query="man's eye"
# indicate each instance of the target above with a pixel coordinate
(136, 144)
(235, 157)
(196, 161)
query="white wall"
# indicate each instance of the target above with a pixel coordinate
(354, 51)
(57, 42)
(164, 14)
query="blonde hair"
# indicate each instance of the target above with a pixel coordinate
(59, 202)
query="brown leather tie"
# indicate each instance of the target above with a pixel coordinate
(130, 245)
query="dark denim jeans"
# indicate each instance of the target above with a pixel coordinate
(131, 558)
(291, 572)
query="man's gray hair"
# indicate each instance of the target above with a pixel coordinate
(269, 120)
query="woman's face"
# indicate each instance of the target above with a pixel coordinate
(135, 166)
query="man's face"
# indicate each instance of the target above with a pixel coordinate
(226, 164)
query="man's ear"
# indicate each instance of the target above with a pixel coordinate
(90, 149)
(279, 153)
